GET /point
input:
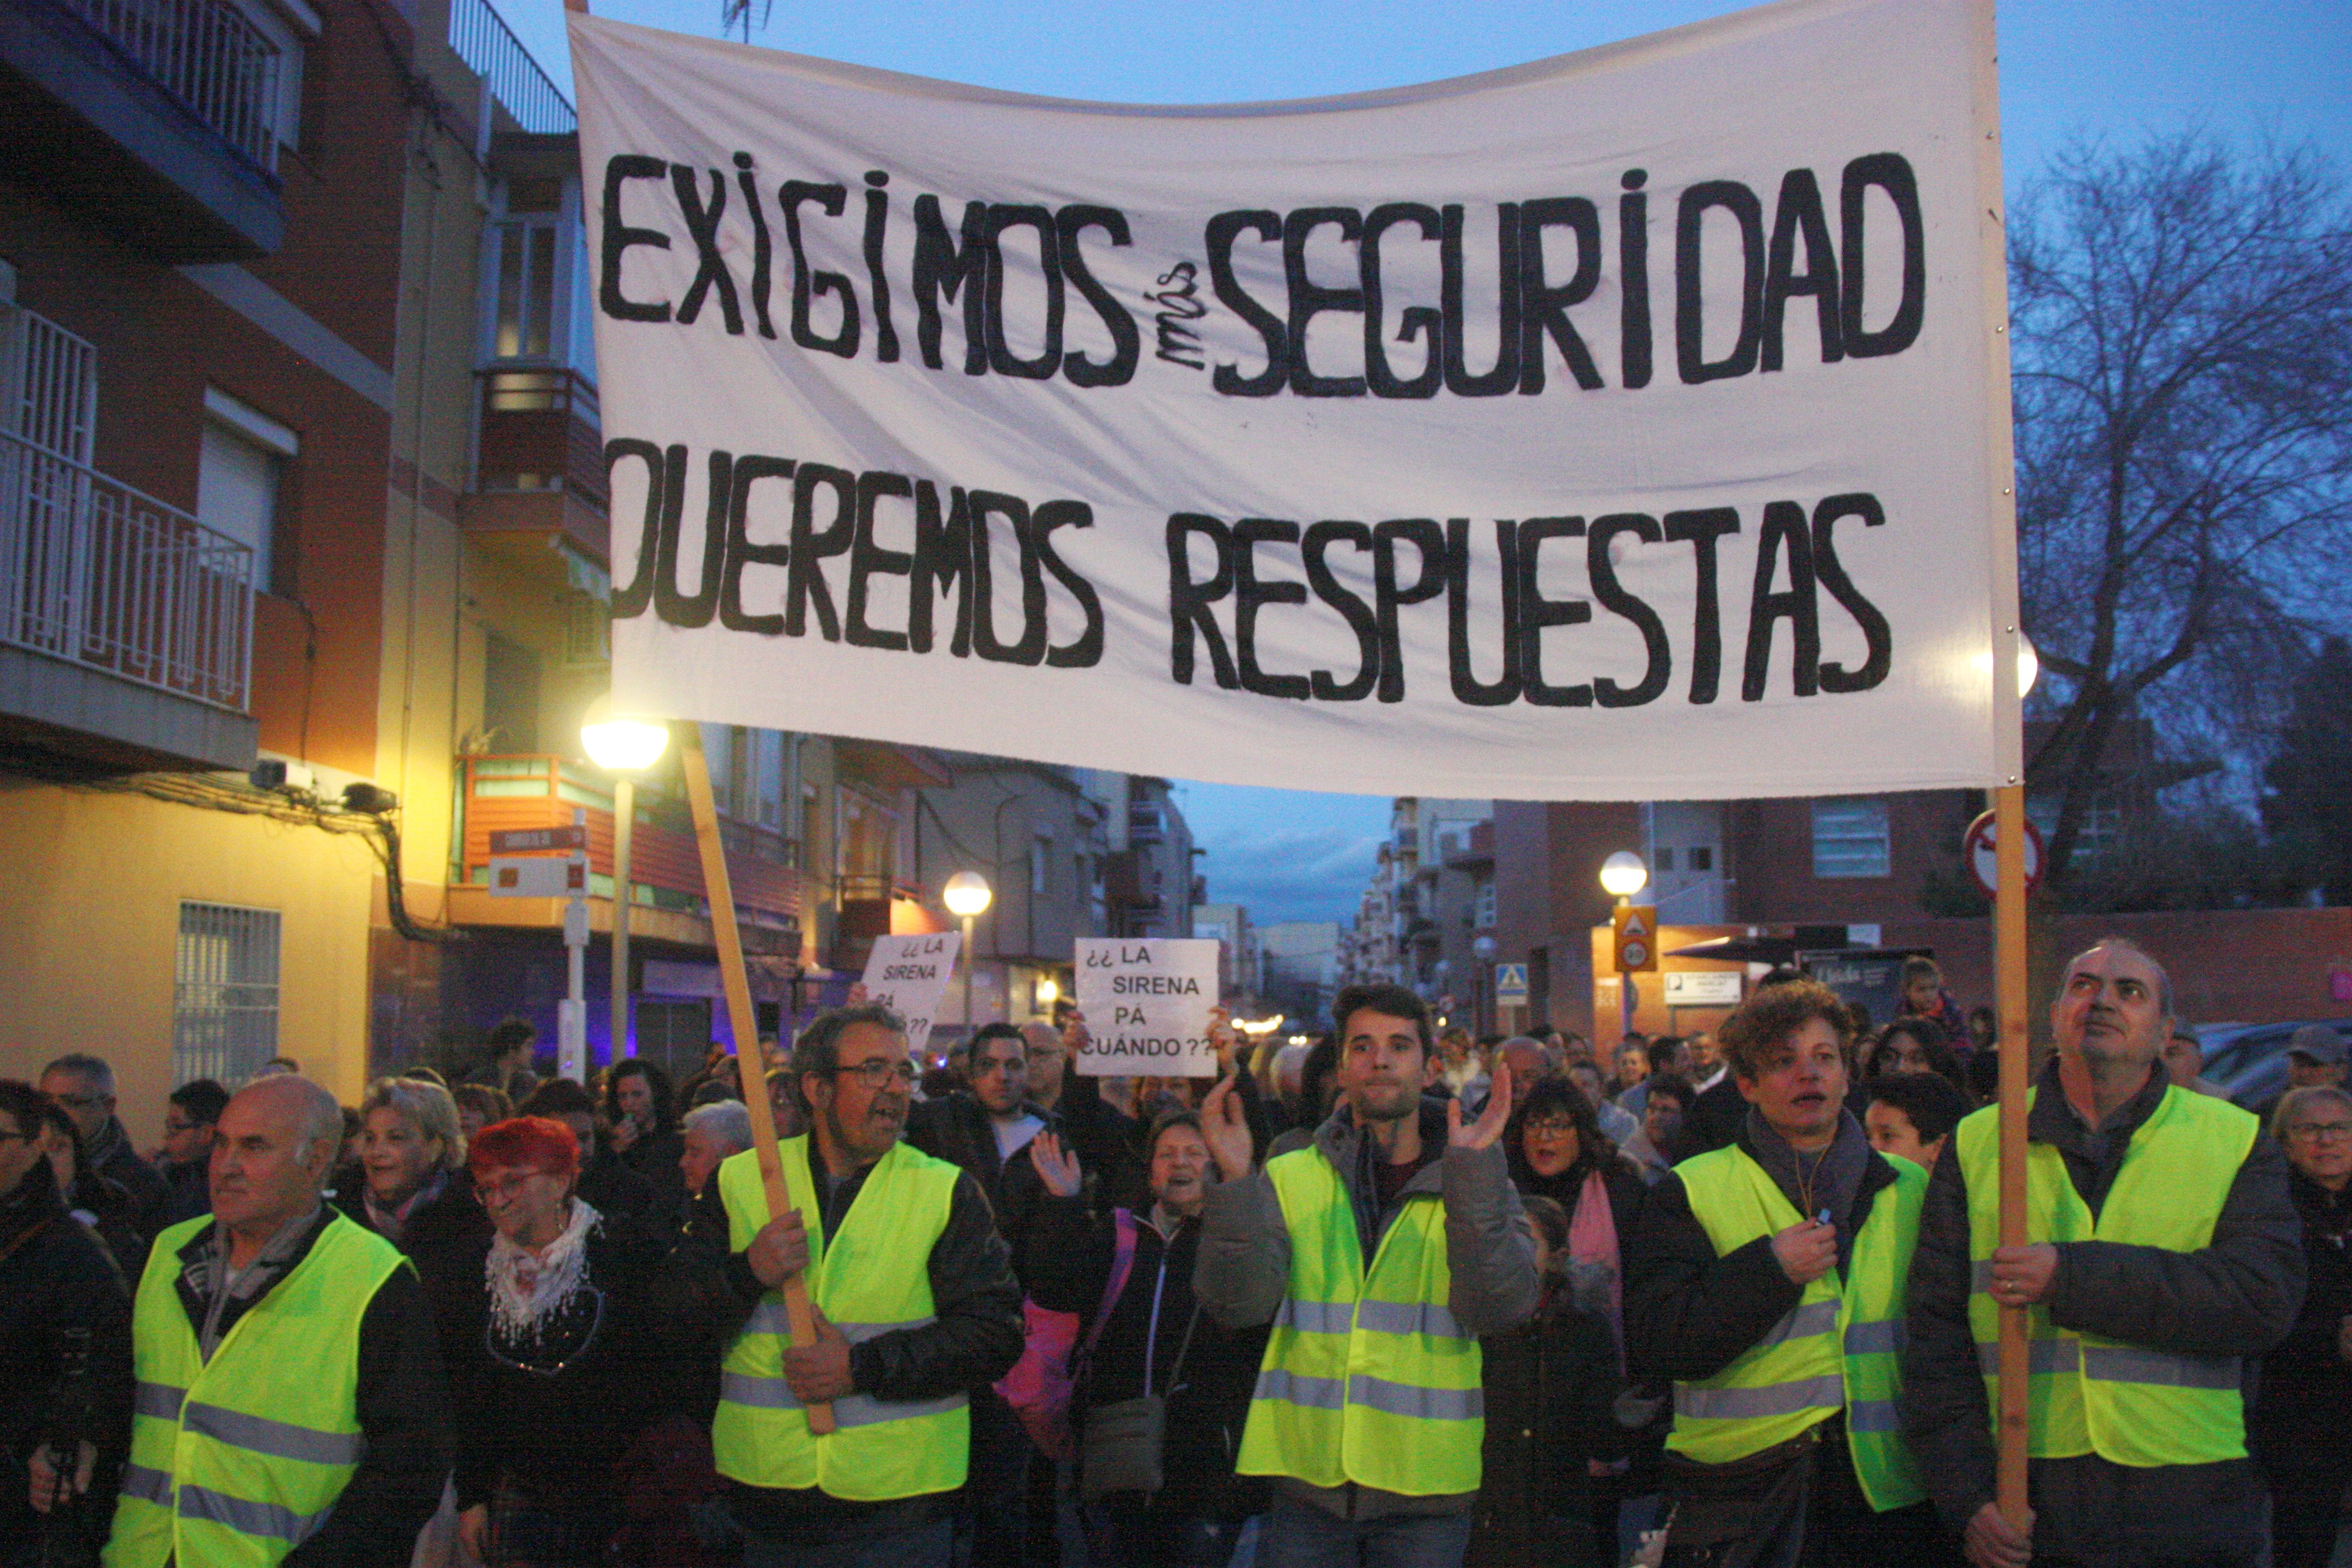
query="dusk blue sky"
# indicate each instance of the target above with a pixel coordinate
(2110, 70)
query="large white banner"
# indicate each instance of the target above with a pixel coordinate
(1627, 424)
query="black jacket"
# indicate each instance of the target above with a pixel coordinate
(1067, 1266)
(404, 1414)
(959, 1131)
(1109, 1141)
(2236, 1297)
(445, 1237)
(2306, 1394)
(1550, 1385)
(555, 1423)
(55, 1275)
(111, 1156)
(976, 1336)
(654, 1158)
(1690, 1313)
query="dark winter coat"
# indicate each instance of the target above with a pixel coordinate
(1067, 1266)
(958, 1130)
(111, 1156)
(653, 1157)
(2238, 1297)
(444, 1238)
(55, 1275)
(1550, 1385)
(2306, 1394)
(553, 1414)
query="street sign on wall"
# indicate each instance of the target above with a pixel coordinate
(1703, 988)
(1510, 986)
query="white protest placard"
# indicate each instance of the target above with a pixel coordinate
(1631, 424)
(1147, 1002)
(909, 975)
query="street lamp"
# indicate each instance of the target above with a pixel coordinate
(2028, 667)
(1622, 875)
(967, 895)
(624, 747)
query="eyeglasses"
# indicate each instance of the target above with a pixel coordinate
(880, 1070)
(1549, 1130)
(2314, 1130)
(506, 1188)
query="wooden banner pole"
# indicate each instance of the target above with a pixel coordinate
(2009, 992)
(751, 1068)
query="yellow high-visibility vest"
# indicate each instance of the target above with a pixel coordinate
(1367, 1376)
(873, 1277)
(237, 1460)
(1838, 1348)
(2087, 1393)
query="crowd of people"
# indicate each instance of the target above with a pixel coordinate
(1400, 1298)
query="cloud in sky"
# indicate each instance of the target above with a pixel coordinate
(1286, 854)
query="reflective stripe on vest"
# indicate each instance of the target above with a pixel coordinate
(2088, 1395)
(211, 1477)
(872, 1279)
(1367, 1377)
(1838, 1348)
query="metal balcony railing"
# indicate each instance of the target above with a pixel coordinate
(207, 55)
(481, 38)
(95, 572)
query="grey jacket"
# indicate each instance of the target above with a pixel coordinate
(1244, 1269)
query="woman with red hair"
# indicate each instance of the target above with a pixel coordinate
(561, 1365)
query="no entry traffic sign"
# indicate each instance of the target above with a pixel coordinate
(1977, 848)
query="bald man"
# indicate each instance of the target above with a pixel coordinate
(290, 1400)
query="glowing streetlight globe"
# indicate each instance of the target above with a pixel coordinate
(1622, 875)
(966, 894)
(619, 744)
(2028, 666)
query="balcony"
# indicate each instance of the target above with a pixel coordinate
(156, 119)
(535, 789)
(126, 625)
(1146, 823)
(540, 474)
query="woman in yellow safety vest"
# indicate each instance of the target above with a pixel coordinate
(1766, 1281)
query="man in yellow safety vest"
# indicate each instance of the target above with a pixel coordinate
(916, 1309)
(289, 1406)
(1379, 1251)
(2162, 1258)
(1765, 1281)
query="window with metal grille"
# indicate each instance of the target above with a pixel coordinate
(1850, 838)
(224, 1002)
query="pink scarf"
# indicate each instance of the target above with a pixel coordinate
(1593, 1238)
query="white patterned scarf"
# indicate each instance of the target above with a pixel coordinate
(526, 1285)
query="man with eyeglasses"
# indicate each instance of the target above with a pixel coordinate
(83, 1087)
(915, 1304)
(2296, 1428)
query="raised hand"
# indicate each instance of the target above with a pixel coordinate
(1482, 1133)
(1223, 1038)
(1226, 1128)
(1056, 1166)
(857, 996)
(1075, 1037)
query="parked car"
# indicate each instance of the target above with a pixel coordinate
(2249, 1060)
